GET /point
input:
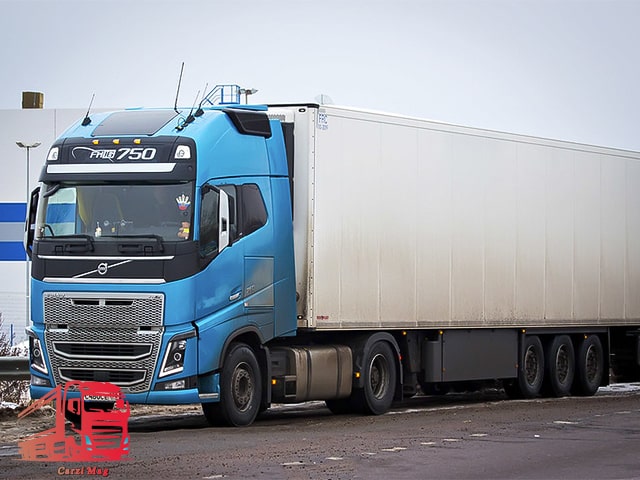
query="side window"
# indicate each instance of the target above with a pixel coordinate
(254, 212)
(232, 192)
(209, 221)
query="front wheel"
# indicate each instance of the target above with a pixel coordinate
(240, 389)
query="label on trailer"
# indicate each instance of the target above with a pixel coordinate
(323, 120)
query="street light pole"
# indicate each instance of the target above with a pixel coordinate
(28, 147)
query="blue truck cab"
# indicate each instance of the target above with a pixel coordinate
(161, 244)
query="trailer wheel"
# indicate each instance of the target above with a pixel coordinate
(379, 380)
(240, 389)
(560, 366)
(589, 366)
(530, 371)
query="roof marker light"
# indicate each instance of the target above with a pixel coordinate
(116, 141)
(96, 142)
(137, 141)
(53, 154)
(183, 152)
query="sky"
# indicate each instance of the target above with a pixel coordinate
(563, 69)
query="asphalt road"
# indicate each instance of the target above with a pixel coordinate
(453, 437)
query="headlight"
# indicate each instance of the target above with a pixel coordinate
(36, 357)
(174, 358)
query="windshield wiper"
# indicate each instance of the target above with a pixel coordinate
(73, 243)
(137, 243)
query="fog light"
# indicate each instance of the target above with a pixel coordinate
(177, 385)
(39, 381)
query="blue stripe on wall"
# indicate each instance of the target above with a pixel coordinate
(13, 212)
(12, 251)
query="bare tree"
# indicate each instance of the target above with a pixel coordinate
(14, 391)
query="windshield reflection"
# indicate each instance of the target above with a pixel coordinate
(105, 211)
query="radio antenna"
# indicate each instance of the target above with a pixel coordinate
(87, 120)
(175, 105)
(199, 111)
(190, 118)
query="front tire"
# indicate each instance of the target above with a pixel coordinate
(240, 389)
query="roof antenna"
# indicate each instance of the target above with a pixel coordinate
(190, 118)
(175, 105)
(199, 111)
(87, 120)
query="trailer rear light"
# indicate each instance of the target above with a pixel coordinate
(36, 356)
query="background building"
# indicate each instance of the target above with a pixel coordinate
(29, 126)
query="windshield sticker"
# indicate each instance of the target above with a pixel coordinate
(183, 202)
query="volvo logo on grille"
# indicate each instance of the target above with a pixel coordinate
(102, 269)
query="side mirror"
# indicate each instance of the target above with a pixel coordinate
(30, 222)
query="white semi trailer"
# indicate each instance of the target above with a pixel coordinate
(485, 255)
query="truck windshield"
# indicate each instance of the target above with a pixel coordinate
(115, 210)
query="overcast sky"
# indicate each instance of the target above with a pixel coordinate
(560, 69)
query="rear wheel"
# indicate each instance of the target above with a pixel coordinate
(379, 380)
(560, 366)
(530, 370)
(589, 366)
(240, 389)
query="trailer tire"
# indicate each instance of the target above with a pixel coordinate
(530, 372)
(240, 389)
(379, 380)
(560, 362)
(589, 366)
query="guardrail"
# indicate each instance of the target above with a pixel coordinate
(14, 368)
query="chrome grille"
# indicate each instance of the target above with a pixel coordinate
(118, 377)
(112, 310)
(114, 351)
(112, 338)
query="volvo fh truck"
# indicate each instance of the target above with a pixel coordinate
(239, 255)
